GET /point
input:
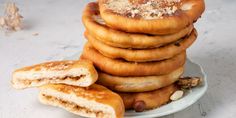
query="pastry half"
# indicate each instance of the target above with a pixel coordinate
(77, 72)
(94, 101)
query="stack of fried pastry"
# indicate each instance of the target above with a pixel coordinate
(139, 46)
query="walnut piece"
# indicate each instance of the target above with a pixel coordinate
(189, 82)
(12, 20)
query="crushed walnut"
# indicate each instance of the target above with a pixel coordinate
(147, 9)
(189, 82)
(12, 20)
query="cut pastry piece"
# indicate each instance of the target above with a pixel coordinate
(78, 73)
(138, 84)
(144, 55)
(124, 68)
(96, 26)
(93, 101)
(150, 16)
(148, 100)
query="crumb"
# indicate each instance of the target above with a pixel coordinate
(35, 34)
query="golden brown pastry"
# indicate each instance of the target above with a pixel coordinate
(94, 101)
(138, 84)
(148, 100)
(150, 16)
(78, 73)
(144, 55)
(124, 68)
(97, 27)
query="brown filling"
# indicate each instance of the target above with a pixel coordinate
(28, 82)
(73, 106)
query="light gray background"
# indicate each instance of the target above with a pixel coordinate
(58, 23)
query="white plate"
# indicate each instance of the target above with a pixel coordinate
(191, 69)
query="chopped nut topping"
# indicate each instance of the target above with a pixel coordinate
(147, 9)
(56, 66)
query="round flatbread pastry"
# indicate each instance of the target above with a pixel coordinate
(150, 16)
(123, 68)
(145, 55)
(138, 84)
(148, 100)
(96, 26)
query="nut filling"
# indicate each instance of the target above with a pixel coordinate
(29, 82)
(74, 106)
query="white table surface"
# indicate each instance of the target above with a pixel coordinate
(58, 23)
